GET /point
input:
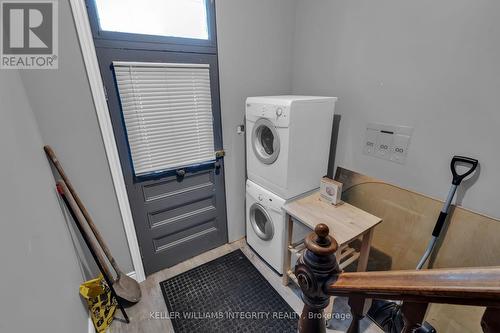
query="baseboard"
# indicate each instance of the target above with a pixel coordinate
(133, 275)
(91, 328)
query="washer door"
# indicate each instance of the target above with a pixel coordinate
(261, 222)
(265, 141)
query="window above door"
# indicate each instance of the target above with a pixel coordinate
(169, 25)
(169, 18)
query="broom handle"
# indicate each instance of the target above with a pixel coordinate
(53, 158)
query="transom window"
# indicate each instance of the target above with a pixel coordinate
(169, 18)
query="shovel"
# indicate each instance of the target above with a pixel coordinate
(125, 287)
(386, 314)
(75, 213)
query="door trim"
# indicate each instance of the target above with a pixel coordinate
(83, 30)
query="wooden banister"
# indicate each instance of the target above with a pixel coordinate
(319, 277)
(470, 286)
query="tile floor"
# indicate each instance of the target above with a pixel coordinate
(141, 320)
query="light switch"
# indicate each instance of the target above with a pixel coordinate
(240, 129)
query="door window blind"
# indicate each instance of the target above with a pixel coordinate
(167, 110)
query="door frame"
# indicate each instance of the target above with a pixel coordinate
(84, 32)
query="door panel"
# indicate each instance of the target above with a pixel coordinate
(176, 217)
(171, 187)
(181, 221)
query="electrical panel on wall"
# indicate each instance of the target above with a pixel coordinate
(387, 141)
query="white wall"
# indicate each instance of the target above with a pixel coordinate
(40, 271)
(65, 112)
(427, 64)
(255, 58)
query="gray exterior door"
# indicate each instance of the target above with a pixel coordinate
(177, 213)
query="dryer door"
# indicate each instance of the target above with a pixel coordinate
(265, 141)
(261, 222)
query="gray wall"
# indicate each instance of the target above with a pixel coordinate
(428, 64)
(40, 271)
(64, 109)
(255, 58)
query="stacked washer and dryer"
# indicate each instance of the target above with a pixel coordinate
(287, 149)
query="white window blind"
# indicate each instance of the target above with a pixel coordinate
(168, 114)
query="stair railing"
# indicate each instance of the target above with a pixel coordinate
(319, 277)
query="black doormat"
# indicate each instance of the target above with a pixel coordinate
(227, 294)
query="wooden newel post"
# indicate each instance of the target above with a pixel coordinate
(316, 269)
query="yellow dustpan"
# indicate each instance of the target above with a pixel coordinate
(102, 305)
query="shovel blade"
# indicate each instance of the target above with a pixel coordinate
(127, 289)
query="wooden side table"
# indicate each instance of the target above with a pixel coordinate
(346, 223)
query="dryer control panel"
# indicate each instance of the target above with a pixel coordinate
(279, 115)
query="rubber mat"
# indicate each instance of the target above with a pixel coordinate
(227, 294)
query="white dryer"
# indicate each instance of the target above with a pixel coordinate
(266, 225)
(288, 142)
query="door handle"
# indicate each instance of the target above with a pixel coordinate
(217, 166)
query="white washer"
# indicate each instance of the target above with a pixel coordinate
(266, 225)
(288, 142)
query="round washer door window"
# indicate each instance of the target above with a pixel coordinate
(265, 141)
(261, 222)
